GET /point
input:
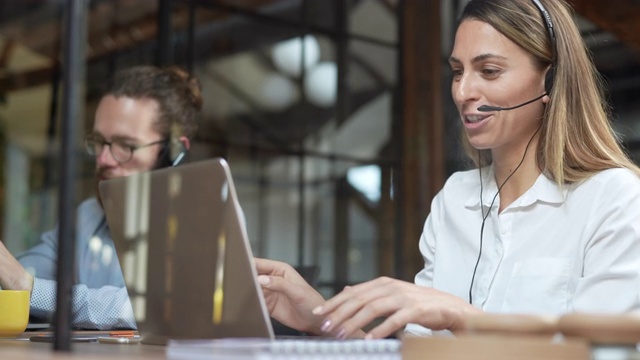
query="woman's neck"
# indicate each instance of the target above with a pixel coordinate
(518, 182)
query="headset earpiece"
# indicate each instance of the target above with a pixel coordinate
(177, 151)
(173, 152)
(176, 147)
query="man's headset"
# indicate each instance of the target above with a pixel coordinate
(173, 152)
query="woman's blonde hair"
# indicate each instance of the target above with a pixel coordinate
(576, 139)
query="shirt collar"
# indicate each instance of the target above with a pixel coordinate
(543, 190)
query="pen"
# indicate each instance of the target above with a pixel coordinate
(122, 333)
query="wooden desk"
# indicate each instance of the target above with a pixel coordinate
(463, 348)
(27, 350)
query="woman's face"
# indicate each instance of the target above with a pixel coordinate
(490, 69)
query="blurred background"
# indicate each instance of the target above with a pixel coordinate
(335, 115)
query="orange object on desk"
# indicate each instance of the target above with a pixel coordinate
(122, 333)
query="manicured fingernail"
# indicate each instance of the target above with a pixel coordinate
(325, 326)
(317, 310)
(263, 280)
(341, 334)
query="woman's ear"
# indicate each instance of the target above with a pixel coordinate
(546, 99)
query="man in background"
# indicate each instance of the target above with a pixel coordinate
(143, 122)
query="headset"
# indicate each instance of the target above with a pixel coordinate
(173, 152)
(548, 23)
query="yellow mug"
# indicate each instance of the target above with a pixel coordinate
(14, 312)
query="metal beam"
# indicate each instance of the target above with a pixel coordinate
(164, 40)
(341, 244)
(73, 74)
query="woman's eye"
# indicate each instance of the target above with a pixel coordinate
(490, 72)
(457, 73)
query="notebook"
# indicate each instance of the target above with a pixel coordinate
(320, 349)
(180, 237)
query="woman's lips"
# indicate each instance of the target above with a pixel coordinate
(475, 118)
(474, 121)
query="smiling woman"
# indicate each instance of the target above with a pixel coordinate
(547, 223)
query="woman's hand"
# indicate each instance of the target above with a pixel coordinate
(289, 297)
(401, 302)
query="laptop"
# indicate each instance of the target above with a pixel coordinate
(180, 237)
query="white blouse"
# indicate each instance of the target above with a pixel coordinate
(552, 251)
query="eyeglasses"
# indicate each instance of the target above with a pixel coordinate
(119, 149)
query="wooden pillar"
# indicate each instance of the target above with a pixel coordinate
(422, 158)
(74, 66)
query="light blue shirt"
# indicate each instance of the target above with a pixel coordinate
(100, 299)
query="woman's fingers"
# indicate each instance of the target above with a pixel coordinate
(271, 267)
(356, 307)
(366, 314)
(400, 302)
(367, 290)
(278, 268)
(390, 325)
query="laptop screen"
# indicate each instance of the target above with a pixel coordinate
(183, 249)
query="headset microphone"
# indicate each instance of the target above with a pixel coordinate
(497, 108)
